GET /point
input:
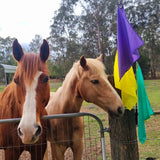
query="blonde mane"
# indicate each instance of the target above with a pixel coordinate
(76, 71)
(87, 81)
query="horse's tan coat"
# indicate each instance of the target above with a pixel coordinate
(78, 86)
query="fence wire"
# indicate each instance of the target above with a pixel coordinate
(94, 143)
(92, 138)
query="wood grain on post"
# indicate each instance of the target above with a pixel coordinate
(123, 136)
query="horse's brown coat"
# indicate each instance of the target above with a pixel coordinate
(12, 101)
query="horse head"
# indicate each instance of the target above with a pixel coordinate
(32, 90)
(93, 86)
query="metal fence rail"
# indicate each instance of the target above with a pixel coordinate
(157, 113)
(93, 142)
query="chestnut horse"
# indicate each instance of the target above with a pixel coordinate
(26, 97)
(85, 81)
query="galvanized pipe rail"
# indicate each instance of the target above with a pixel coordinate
(156, 112)
(71, 115)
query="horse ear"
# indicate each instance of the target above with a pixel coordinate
(44, 51)
(83, 62)
(100, 57)
(17, 50)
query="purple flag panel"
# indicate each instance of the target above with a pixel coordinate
(128, 43)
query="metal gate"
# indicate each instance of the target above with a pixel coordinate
(94, 141)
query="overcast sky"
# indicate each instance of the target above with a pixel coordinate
(23, 19)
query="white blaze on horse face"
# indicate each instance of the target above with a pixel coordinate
(28, 121)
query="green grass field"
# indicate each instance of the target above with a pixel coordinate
(151, 148)
(152, 88)
(2, 87)
(153, 92)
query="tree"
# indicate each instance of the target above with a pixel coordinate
(94, 30)
(96, 25)
(64, 35)
(144, 17)
(144, 62)
(6, 55)
(6, 50)
(35, 44)
(87, 34)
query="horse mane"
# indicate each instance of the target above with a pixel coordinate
(29, 66)
(7, 102)
(95, 66)
(26, 70)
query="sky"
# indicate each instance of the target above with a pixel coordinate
(23, 19)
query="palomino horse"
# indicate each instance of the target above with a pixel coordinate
(85, 81)
(26, 97)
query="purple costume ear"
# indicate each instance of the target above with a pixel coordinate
(17, 50)
(44, 51)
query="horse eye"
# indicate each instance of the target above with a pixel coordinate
(45, 79)
(16, 81)
(43, 101)
(95, 81)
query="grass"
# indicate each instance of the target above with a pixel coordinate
(152, 89)
(153, 92)
(151, 148)
(54, 86)
(152, 145)
(1, 88)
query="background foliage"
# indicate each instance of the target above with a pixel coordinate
(89, 27)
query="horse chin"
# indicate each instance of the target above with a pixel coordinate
(34, 140)
(114, 115)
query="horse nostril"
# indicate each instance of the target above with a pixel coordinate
(38, 132)
(119, 110)
(19, 132)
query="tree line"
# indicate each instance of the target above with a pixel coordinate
(89, 27)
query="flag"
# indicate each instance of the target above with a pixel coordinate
(144, 108)
(127, 85)
(128, 43)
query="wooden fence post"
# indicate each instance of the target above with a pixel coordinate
(123, 136)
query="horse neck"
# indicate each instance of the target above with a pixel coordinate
(69, 101)
(8, 103)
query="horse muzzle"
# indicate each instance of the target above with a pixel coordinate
(118, 113)
(29, 136)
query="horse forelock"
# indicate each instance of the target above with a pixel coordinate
(95, 67)
(30, 74)
(29, 66)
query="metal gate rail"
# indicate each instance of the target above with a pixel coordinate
(69, 115)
